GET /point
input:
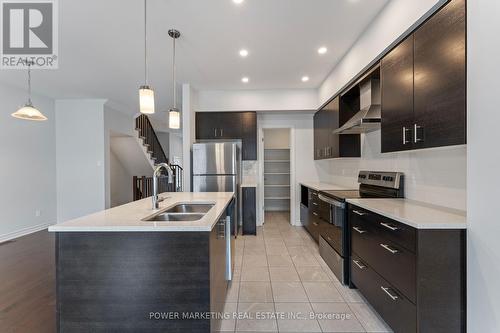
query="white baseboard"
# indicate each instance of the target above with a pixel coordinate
(23, 232)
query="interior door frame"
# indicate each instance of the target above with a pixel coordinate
(260, 159)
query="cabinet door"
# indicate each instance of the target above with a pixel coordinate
(329, 122)
(230, 125)
(249, 128)
(207, 124)
(396, 75)
(218, 283)
(440, 79)
(249, 213)
(317, 136)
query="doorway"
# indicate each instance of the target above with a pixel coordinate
(277, 172)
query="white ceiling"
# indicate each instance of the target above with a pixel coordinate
(101, 45)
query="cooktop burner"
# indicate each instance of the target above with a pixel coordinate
(341, 195)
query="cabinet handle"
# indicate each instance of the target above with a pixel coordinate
(357, 212)
(215, 132)
(359, 230)
(388, 226)
(415, 133)
(358, 264)
(385, 246)
(386, 290)
(221, 132)
(315, 214)
(315, 204)
(328, 237)
(315, 224)
(404, 135)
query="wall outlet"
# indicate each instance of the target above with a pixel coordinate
(38, 213)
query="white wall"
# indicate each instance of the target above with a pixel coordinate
(120, 182)
(483, 246)
(80, 147)
(301, 157)
(257, 100)
(397, 17)
(189, 107)
(437, 176)
(276, 138)
(27, 166)
(164, 138)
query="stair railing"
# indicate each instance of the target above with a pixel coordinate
(147, 133)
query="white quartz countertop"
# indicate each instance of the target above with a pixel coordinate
(129, 217)
(318, 186)
(414, 213)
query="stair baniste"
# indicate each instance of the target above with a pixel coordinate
(146, 132)
(143, 185)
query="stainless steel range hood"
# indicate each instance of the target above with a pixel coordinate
(368, 118)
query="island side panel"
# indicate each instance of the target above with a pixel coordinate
(115, 281)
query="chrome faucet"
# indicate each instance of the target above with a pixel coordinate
(156, 174)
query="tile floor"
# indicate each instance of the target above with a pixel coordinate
(282, 284)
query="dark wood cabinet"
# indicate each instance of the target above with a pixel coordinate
(423, 85)
(440, 79)
(218, 282)
(414, 278)
(227, 126)
(249, 197)
(396, 75)
(326, 143)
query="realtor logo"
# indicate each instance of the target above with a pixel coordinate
(29, 33)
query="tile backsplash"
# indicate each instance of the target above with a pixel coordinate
(250, 171)
(436, 176)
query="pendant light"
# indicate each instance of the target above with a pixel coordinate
(146, 93)
(28, 111)
(174, 116)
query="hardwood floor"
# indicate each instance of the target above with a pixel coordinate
(27, 284)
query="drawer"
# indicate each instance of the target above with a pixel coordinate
(332, 235)
(396, 232)
(394, 262)
(396, 310)
(313, 225)
(332, 259)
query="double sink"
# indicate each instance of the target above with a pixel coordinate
(181, 213)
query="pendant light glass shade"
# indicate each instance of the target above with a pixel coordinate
(174, 118)
(146, 100)
(146, 93)
(28, 111)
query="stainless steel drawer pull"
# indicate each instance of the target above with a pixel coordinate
(405, 141)
(358, 264)
(315, 214)
(359, 230)
(315, 224)
(386, 290)
(315, 204)
(385, 246)
(358, 212)
(388, 226)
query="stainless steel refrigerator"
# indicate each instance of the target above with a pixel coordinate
(217, 168)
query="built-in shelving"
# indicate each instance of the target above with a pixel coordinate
(277, 179)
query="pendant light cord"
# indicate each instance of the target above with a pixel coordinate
(29, 83)
(145, 46)
(173, 78)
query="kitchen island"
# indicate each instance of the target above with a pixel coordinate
(117, 272)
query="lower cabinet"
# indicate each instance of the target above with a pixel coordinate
(249, 210)
(414, 278)
(218, 282)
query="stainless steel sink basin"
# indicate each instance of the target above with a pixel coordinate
(190, 208)
(175, 217)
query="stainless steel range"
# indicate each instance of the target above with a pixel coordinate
(334, 242)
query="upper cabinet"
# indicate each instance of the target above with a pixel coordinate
(423, 85)
(227, 126)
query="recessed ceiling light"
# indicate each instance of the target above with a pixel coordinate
(243, 53)
(305, 78)
(245, 79)
(238, 1)
(322, 50)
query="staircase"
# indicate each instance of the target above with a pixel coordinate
(143, 185)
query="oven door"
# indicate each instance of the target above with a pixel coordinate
(334, 232)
